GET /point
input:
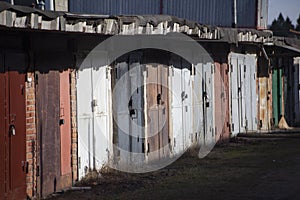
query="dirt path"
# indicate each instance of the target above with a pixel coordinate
(249, 169)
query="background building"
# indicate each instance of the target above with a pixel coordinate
(225, 13)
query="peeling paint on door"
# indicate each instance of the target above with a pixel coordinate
(94, 115)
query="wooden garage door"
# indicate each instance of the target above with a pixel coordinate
(53, 119)
(157, 112)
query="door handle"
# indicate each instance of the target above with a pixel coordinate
(12, 130)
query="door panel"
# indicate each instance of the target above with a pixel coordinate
(221, 102)
(176, 112)
(94, 108)
(13, 127)
(102, 113)
(277, 91)
(48, 107)
(121, 98)
(164, 110)
(234, 95)
(136, 110)
(198, 103)
(250, 93)
(243, 93)
(85, 123)
(65, 130)
(65, 123)
(17, 137)
(157, 111)
(208, 96)
(153, 112)
(297, 90)
(3, 128)
(186, 107)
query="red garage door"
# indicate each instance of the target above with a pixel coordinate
(13, 165)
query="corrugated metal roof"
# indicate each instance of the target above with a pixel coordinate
(26, 17)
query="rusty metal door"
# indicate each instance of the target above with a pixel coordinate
(13, 131)
(157, 112)
(153, 113)
(221, 102)
(65, 129)
(48, 118)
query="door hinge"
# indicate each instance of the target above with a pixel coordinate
(79, 162)
(108, 71)
(25, 166)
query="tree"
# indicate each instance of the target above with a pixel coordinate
(278, 23)
(298, 24)
(288, 24)
(281, 26)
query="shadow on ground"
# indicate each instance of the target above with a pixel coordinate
(249, 168)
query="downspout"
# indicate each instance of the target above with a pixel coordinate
(12, 2)
(51, 4)
(234, 13)
(161, 7)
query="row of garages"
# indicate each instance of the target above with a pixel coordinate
(64, 116)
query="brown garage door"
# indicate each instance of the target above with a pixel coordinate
(157, 111)
(53, 114)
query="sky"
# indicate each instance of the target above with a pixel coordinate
(289, 8)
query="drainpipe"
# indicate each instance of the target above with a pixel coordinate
(51, 4)
(234, 23)
(161, 7)
(12, 2)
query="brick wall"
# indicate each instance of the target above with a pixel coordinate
(31, 136)
(74, 124)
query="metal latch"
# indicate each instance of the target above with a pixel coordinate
(12, 130)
